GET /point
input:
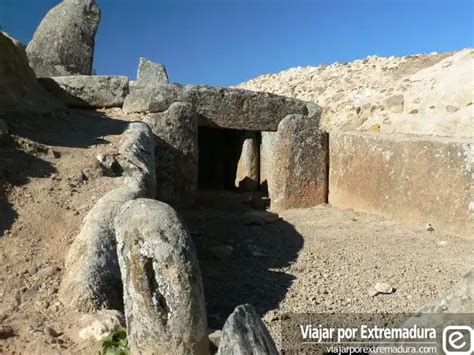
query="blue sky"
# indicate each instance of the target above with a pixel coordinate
(223, 42)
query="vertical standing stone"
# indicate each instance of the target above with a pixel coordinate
(63, 43)
(176, 153)
(150, 73)
(163, 293)
(299, 163)
(267, 147)
(248, 167)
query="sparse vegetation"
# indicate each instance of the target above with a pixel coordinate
(115, 344)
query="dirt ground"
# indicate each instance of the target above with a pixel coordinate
(50, 178)
(321, 260)
(313, 260)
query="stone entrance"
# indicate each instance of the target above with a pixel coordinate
(229, 159)
(234, 139)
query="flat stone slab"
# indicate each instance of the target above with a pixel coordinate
(88, 91)
(218, 106)
(412, 179)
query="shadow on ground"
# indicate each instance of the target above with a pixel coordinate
(250, 275)
(24, 156)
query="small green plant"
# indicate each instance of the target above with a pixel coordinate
(115, 344)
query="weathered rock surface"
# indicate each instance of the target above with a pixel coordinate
(217, 106)
(163, 292)
(267, 147)
(248, 168)
(245, 334)
(176, 153)
(242, 109)
(63, 43)
(413, 179)
(88, 91)
(92, 280)
(150, 73)
(298, 163)
(156, 98)
(19, 89)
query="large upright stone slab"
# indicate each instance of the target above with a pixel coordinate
(150, 73)
(297, 166)
(163, 292)
(413, 179)
(88, 91)
(248, 167)
(63, 43)
(19, 89)
(176, 153)
(218, 107)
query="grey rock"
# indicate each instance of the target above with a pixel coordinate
(381, 288)
(156, 98)
(176, 153)
(63, 43)
(267, 148)
(218, 106)
(150, 73)
(163, 292)
(222, 252)
(19, 88)
(3, 132)
(92, 279)
(242, 109)
(248, 166)
(215, 337)
(298, 163)
(245, 334)
(88, 91)
(109, 164)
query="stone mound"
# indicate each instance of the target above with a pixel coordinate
(416, 94)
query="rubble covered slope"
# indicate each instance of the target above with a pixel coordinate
(417, 94)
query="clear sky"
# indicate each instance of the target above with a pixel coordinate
(223, 42)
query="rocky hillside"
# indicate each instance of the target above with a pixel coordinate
(417, 94)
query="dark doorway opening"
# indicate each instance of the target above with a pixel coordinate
(219, 154)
